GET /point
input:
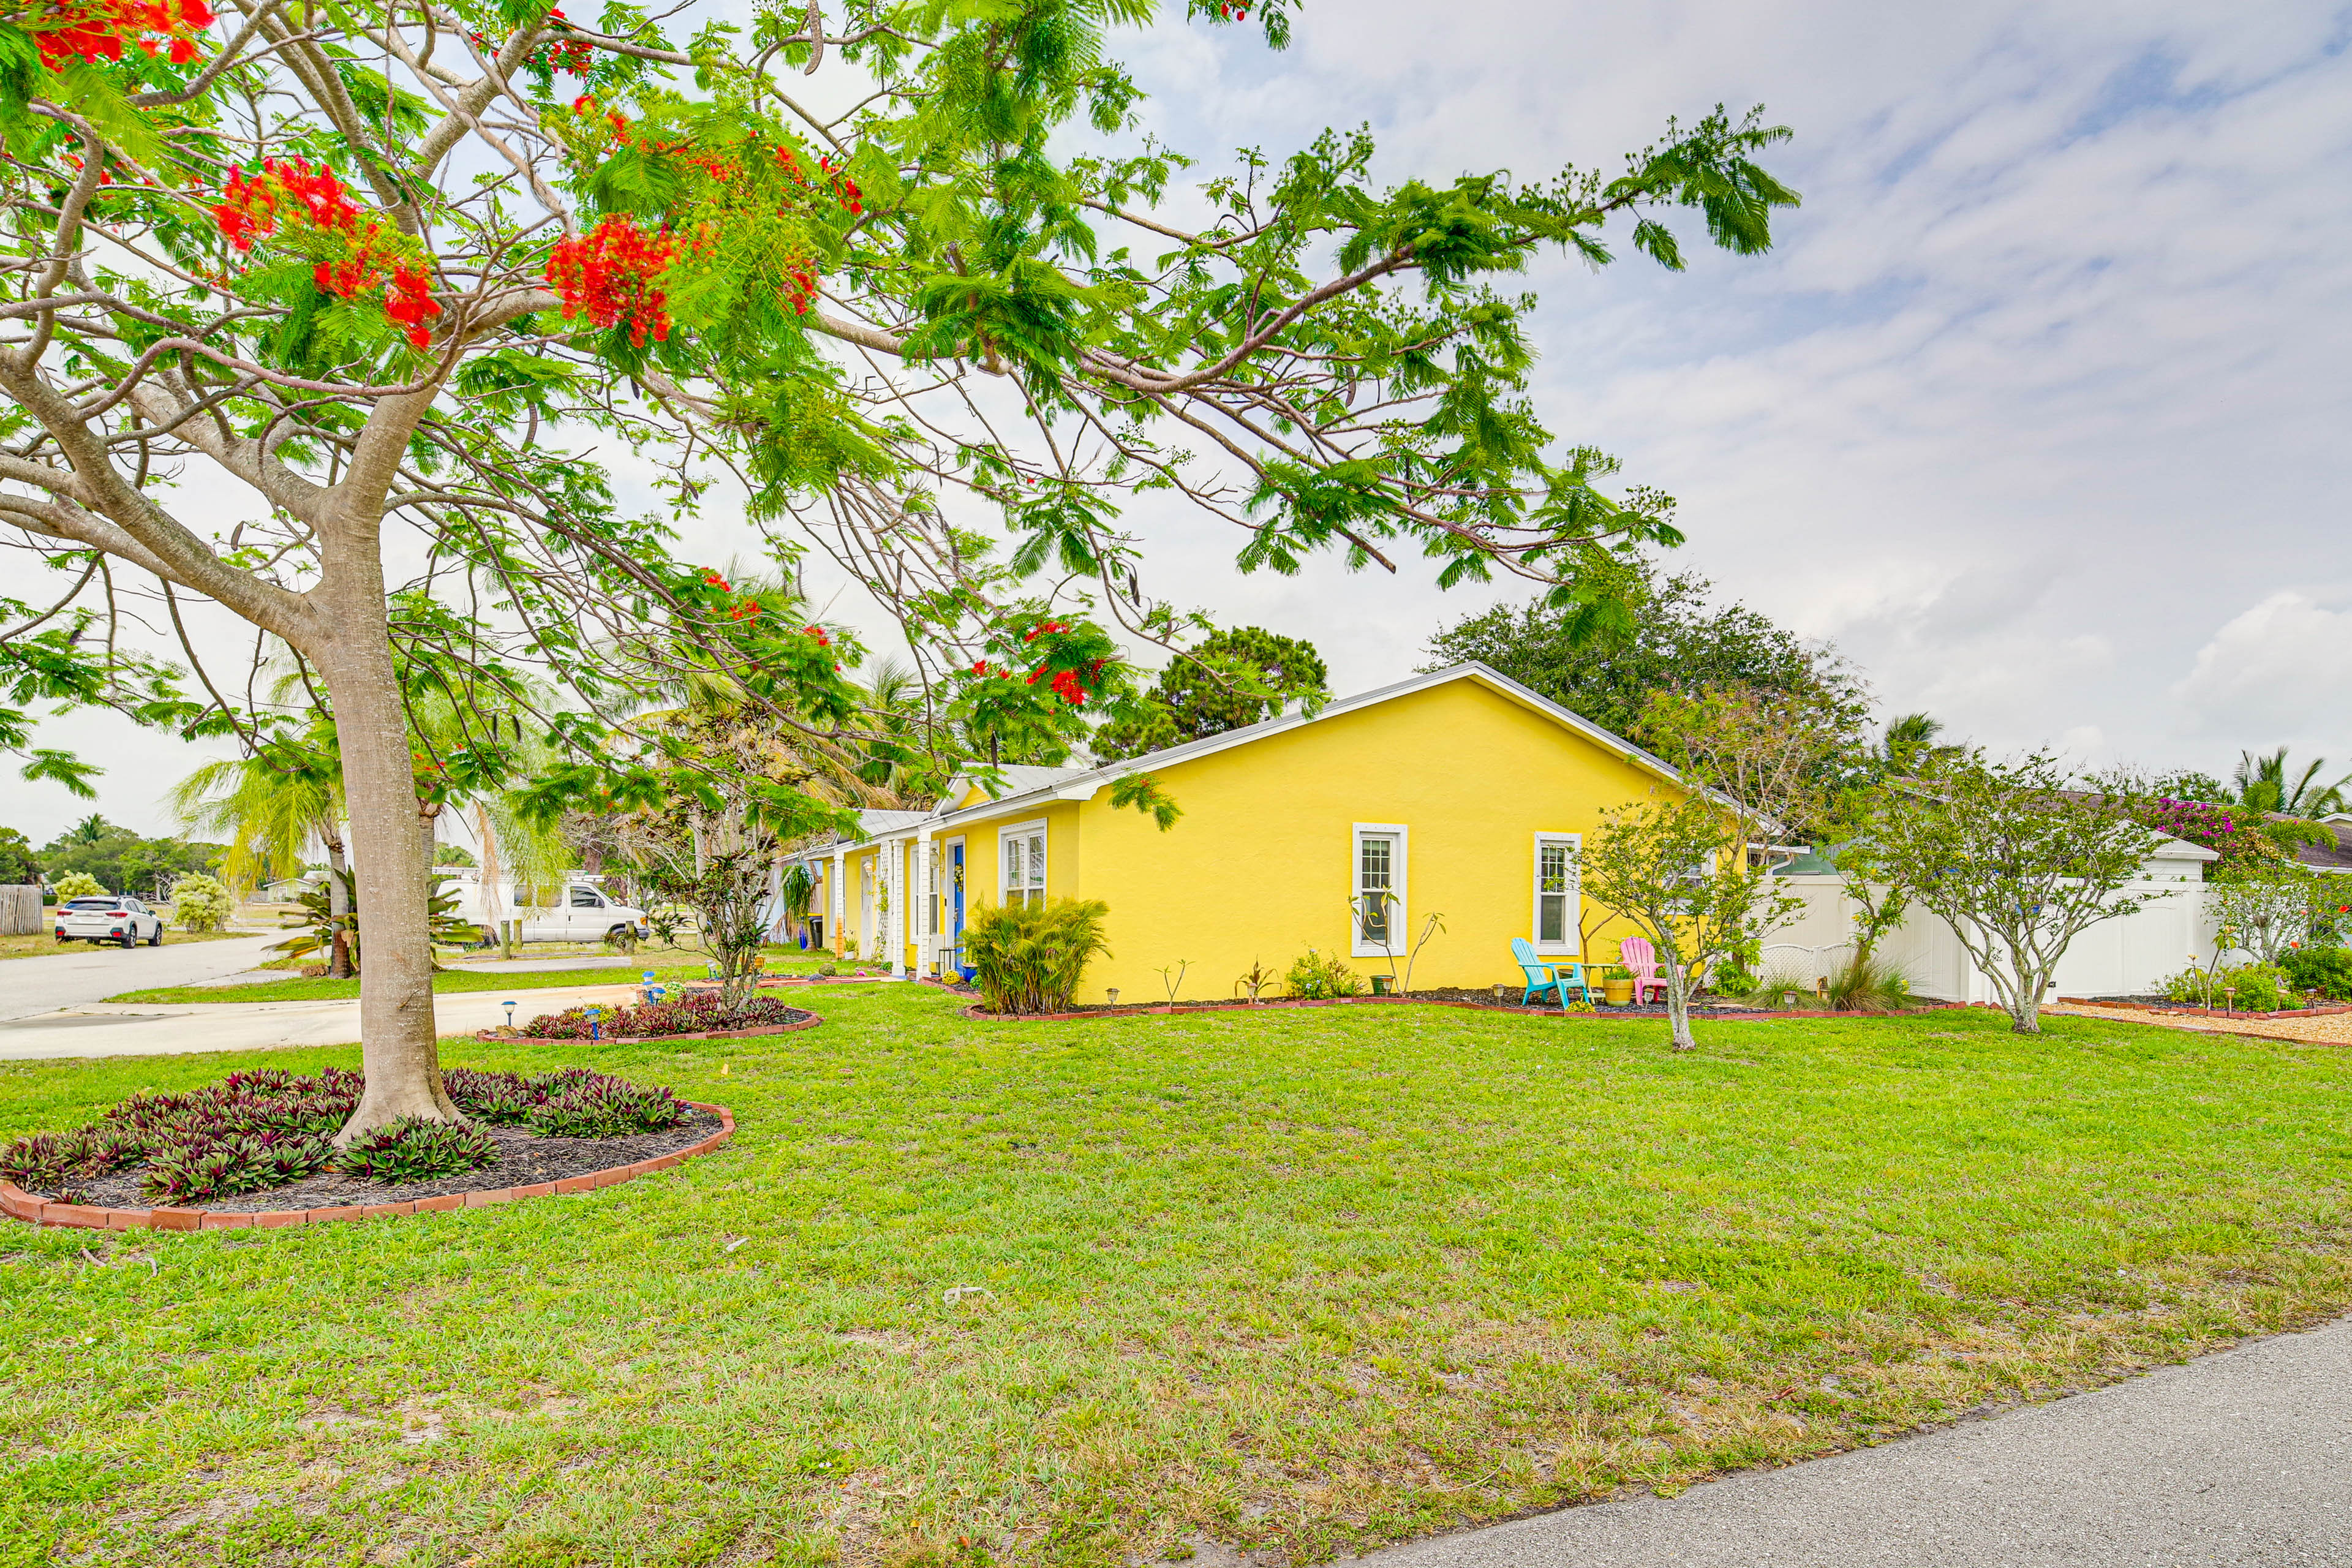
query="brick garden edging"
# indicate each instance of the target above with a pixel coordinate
(2185, 1010)
(979, 1013)
(18, 1203)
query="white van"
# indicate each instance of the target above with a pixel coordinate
(580, 910)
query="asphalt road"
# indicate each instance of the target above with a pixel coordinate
(88, 974)
(2243, 1458)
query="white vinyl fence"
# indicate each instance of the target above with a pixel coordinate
(2123, 956)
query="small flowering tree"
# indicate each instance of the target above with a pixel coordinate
(317, 318)
(2015, 861)
(1676, 867)
(2266, 908)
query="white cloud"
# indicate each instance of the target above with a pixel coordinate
(2277, 673)
(2046, 367)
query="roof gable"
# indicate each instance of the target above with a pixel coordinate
(1082, 783)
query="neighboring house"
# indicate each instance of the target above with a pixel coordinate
(1460, 795)
(2330, 858)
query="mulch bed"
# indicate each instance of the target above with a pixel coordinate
(1450, 998)
(524, 1160)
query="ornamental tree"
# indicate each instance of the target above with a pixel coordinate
(1676, 867)
(2267, 907)
(323, 315)
(2015, 861)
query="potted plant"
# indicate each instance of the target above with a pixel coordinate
(1617, 985)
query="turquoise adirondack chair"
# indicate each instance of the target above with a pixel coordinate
(1548, 978)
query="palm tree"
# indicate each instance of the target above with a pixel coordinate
(1910, 741)
(271, 805)
(2263, 784)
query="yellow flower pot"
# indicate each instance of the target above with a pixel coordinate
(1617, 993)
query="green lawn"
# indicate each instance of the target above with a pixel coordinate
(1305, 1280)
(297, 989)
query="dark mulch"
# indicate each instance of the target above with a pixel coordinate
(1510, 1000)
(524, 1160)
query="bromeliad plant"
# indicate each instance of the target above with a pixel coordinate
(263, 1129)
(572, 1103)
(696, 1013)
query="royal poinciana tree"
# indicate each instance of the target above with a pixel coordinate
(322, 315)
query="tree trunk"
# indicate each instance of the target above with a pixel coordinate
(397, 1045)
(1678, 1005)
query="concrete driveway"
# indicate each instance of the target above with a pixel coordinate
(87, 973)
(2241, 1459)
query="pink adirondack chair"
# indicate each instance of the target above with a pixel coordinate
(1641, 961)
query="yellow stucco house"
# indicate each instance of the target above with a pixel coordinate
(1460, 795)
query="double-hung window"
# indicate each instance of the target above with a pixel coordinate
(1023, 853)
(1378, 888)
(1558, 889)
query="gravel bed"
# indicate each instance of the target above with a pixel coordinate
(524, 1160)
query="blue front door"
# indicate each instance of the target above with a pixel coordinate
(955, 890)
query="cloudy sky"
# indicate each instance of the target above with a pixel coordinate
(2036, 411)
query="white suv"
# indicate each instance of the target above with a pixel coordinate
(110, 919)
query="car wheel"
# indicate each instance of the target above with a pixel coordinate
(157, 940)
(131, 937)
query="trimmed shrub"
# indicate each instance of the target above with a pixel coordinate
(79, 885)
(1314, 977)
(1731, 978)
(199, 903)
(414, 1149)
(1029, 958)
(2259, 988)
(2325, 970)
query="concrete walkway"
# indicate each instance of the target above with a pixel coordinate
(116, 1029)
(2241, 1459)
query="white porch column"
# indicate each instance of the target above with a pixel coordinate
(926, 859)
(898, 923)
(838, 898)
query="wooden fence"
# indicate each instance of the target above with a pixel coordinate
(20, 909)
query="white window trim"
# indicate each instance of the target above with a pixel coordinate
(1399, 907)
(1570, 946)
(1035, 825)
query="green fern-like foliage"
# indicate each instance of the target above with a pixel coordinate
(1029, 958)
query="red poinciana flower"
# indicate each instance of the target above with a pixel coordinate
(410, 303)
(609, 274)
(97, 32)
(290, 190)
